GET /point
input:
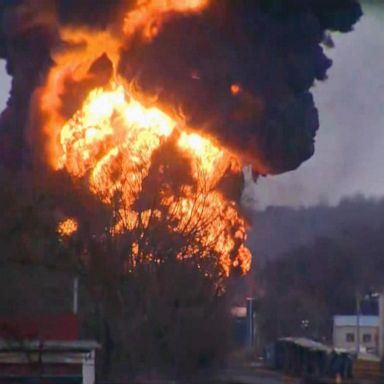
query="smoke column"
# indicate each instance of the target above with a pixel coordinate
(239, 71)
(153, 107)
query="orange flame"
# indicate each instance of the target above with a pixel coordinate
(110, 140)
(149, 14)
(67, 227)
(235, 89)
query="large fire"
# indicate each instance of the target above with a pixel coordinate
(111, 139)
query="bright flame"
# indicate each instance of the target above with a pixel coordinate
(67, 227)
(110, 141)
(235, 89)
(209, 162)
(149, 14)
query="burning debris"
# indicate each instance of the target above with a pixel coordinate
(67, 227)
(154, 106)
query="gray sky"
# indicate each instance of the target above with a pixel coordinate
(349, 156)
(5, 83)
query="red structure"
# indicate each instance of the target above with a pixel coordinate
(45, 349)
(63, 327)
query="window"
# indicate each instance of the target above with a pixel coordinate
(350, 337)
(367, 338)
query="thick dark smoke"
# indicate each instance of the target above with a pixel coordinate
(271, 49)
(25, 45)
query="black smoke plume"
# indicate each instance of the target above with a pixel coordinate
(241, 71)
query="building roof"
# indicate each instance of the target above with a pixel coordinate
(51, 346)
(306, 343)
(351, 321)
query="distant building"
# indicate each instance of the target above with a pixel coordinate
(244, 324)
(239, 326)
(345, 332)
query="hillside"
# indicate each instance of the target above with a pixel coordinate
(319, 259)
(278, 230)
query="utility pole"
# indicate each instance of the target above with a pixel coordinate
(381, 325)
(250, 303)
(357, 323)
(75, 307)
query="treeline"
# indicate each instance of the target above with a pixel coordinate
(277, 230)
(167, 321)
(153, 316)
(303, 288)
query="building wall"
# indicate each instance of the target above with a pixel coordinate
(342, 337)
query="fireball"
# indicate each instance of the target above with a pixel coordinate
(111, 141)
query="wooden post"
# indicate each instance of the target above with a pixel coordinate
(357, 324)
(381, 326)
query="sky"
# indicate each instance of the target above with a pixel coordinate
(5, 84)
(349, 157)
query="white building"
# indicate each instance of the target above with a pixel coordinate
(346, 328)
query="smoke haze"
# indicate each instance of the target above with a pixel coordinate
(349, 158)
